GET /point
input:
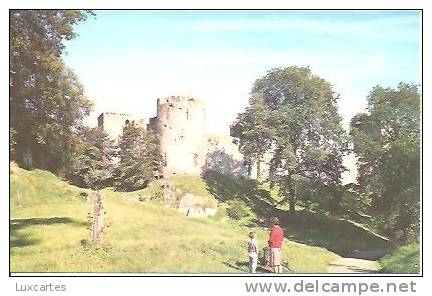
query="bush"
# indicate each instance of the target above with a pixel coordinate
(404, 260)
(221, 213)
(239, 210)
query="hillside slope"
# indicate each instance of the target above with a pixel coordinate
(49, 234)
(405, 259)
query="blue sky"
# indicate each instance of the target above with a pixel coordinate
(127, 59)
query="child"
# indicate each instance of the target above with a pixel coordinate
(253, 252)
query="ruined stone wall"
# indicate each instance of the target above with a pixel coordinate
(113, 123)
(180, 123)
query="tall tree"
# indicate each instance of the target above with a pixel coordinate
(387, 143)
(303, 130)
(94, 166)
(253, 132)
(139, 158)
(47, 102)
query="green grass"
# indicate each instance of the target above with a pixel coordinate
(193, 184)
(404, 260)
(26, 188)
(49, 225)
(251, 192)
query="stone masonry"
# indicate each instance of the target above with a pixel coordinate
(113, 123)
(180, 123)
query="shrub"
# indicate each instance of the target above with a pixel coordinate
(221, 213)
(404, 260)
(239, 210)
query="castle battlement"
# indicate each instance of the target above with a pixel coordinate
(180, 99)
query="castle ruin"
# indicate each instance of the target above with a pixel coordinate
(113, 123)
(180, 124)
(185, 146)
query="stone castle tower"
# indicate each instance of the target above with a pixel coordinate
(180, 123)
(185, 146)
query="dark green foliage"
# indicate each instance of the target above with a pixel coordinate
(387, 143)
(238, 210)
(253, 131)
(94, 167)
(47, 102)
(293, 116)
(226, 189)
(139, 158)
(404, 260)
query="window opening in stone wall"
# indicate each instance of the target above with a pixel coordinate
(187, 113)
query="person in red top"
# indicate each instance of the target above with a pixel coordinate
(275, 245)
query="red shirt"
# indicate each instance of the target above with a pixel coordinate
(276, 237)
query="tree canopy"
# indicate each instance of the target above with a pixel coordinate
(94, 166)
(293, 115)
(387, 143)
(139, 158)
(47, 101)
(254, 131)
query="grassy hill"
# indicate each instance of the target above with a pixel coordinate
(49, 231)
(403, 260)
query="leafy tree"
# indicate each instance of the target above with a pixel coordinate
(387, 143)
(300, 127)
(47, 102)
(94, 167)
(139, 158)
(253, 132)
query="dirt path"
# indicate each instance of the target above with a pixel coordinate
(353, 265)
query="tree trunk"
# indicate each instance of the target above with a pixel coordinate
(249, 171)
(334, 206)
(292, 198)
(258, 169)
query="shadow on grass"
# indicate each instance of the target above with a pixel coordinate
(225, 188)
(243, 266)
(340, 236)
(19, 239)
